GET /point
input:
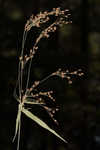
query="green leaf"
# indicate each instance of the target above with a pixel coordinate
(17, 124)
(41, 123)
(30, 102)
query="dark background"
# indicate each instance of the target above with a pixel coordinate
(72, 46)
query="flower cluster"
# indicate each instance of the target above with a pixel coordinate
(33, 96)
(60, 16)
(41, 18)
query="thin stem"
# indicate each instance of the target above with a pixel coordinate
(19, 74)
(29, 69)
(22, 62)
(46, 78)
(19, 132)
(43, 80)
(23, 41)
(14, 93)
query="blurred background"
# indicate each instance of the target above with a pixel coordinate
(72, 47)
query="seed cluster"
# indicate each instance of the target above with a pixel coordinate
(39, 97)
(67, 74)
(41, 18)
(61, 17)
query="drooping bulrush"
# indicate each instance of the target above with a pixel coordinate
(30, 95)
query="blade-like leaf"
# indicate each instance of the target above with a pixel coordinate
(17, 124)
(34, 103)
(41, 123)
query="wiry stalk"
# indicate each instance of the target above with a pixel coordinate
(19, 132)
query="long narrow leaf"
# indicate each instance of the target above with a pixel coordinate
(34, 103)
(17, 124)
(41, 123)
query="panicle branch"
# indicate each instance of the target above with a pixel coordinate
(60, 16)
(43, 17)
(67, 74)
